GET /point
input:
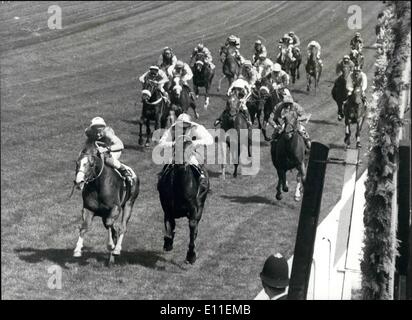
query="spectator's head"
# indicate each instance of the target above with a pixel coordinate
(275, 275)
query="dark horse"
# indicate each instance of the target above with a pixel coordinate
(271, 97)
(105, 194)
(339, 91)
(354, 110)
(357, 58)
(230, 68)
(233, 124)
(256, 103)
(155, 108)
(181, 196)
(202, 77)
(313, 70)
(289, 66)
(180, 98)
(288, 153)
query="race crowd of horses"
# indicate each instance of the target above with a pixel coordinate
(107, 195)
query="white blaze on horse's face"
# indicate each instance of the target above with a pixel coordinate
(177, 88)
(81, 172)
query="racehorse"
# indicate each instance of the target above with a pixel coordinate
(180, 98)
(202, 77)
(182, 196)
(339, 91)
(155, 108)
(105, 194)
(288, 153)
(255, 104)
(271, 98)
(237, 121)
(289, 66)
(357, 58)
(313, 70)
(354, 111)
(230, 68)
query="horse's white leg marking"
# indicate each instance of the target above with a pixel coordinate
(110, 243)
(78, 250)
(220, 82)
(298, 187)
(118, 247)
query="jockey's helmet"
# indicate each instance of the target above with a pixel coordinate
(357, 69)
(200, 46)
(277, 67)
(258, 42)
(184, 119)
(179, 64)
(275, 272)
(154, 70)
(247, 63)
(167, 49)
(287, 98)
(291, 33)
(97, 122)
(357, 34)
(346, 57)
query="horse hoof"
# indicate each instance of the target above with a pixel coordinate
(116, 252)
(285, 189)
(147, 144)
(197, 96)
(358, 145)
(307, 88)
(140, 142)
(110, 247)
(278, 196)
(191, 257)
(77, 254)
(168, 244)
(297, 199)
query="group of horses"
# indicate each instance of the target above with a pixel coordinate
(107, 194)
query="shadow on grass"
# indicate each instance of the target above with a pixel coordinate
(337, 146)
(135, 147)
(248, 199)
(145, 258)
(326, 122)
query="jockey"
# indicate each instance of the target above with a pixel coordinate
(345, 63)
(279, 80)
(357, 79)
(286, 43)
(158, 76)
(259, 49)
(195, 131)
(354, 55)
(183, 71)
(356, 42)
(295, 39)
(243, 90)
(249, 73)
(279, 111)
(263, 66)
(99, 131)
(201, 49)
(312, 45)
(233, 45)
(166, 59)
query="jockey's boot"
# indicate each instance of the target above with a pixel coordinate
(126, 174)
(203, 180)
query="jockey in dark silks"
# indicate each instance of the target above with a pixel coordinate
(158, 77)
(259, 49)
(295, 42)
(166, 59)
(279, 110)
(113, 146)
(200, 138)
(233, 45)
(202, 50)
(356, 42)
(346, 64)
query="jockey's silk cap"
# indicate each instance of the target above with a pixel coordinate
(258, 42)
(180, 64)
(146, 92)
(167, 49)
(247, 63)
(277, 67)
(346, 57)
(97, 121)
(184, 119)
(275, 272)
(154, 68)
(288, 99)
(291, 33)
(200, 46)
(357, 68)
(357, 34)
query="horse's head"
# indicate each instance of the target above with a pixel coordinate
(234, 102)
(290, 119)
(176, 87)
(223, 53)
(86, 165)
(151, 91)
(199, 65)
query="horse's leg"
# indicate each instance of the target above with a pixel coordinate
(109, 225)
(196, 90)
(347, 133)
(170, 224)
(148, 133)
(193, 227)
(87, 216)
(308, 77)
(359, 125)
(220, 82)
(206, 97)
(127, 213)
(223, 149)
(140, 133)
(280, 183)
(235, 170)
(300, 179)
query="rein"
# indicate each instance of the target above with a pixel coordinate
(155, 102)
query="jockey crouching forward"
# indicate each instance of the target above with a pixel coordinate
(166, 59)
(288, 105)
(286, 44)
(200, 51)
(345, 66)
(243, 90)
(357, 79)
(279, 80)
(259, 49)
(184, 72)
(99, 131)
(199, 137)
(157, 77)
(233, 45)
(263, 66)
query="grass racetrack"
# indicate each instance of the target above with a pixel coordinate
(54, 81)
